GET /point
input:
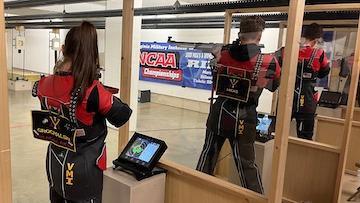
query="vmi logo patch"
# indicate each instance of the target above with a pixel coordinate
(70, 174)
(241, 127)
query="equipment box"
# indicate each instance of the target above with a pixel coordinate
(124, 188)
(144, 96)
(19, 85)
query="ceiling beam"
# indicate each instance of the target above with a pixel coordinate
(178, 25)
(34, 3)
(141, 12)
(64, 25)
(266, 17)
(87, 14)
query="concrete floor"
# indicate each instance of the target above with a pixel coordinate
(182, 130)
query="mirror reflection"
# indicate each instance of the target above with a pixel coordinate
(340, 47)
(240, 75)
(216, 138)
(217, 148)
(312, 72)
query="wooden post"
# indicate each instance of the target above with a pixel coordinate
(333, 7)
(282, 27)
(296, 15)
(5, 156)
(227, 27)
(348, 119)
(126, 63)
(275, 99)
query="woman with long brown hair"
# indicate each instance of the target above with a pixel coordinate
(79, 104)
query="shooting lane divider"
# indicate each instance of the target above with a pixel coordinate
(126, 62)
(296, 15)
(5, 152)
(348, 119)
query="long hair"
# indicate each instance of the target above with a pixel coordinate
(81, 50)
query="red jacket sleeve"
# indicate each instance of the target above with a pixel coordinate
(273, 74)
(324, 66)
(105, 100)
(112, 108)
(324, 63)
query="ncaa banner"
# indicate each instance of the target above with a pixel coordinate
(171, 63)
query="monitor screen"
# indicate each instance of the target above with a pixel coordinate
(142, 150)
(328, 97)
(265, 124)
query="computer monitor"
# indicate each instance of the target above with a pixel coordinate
(330, 99)
(142, 152)
(265, 127)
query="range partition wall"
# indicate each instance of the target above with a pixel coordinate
(5, 156)
(126, 56)
(184, 183)
(349, 117)
(296, 15)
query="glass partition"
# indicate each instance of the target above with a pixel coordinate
(184, 122)
(211, 130)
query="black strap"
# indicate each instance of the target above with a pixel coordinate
(35, 89)
(213, 64)
(258, 65)
(312, 58)
(73, 104)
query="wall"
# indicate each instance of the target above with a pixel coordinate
(270, 39)
(39, 59)
(38, 56)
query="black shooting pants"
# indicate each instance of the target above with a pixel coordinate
(228, 120)
(244, 157)
(56, 198)
(305, 125)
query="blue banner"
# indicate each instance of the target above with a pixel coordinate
(174, 64)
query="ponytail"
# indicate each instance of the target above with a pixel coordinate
(81, 49)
